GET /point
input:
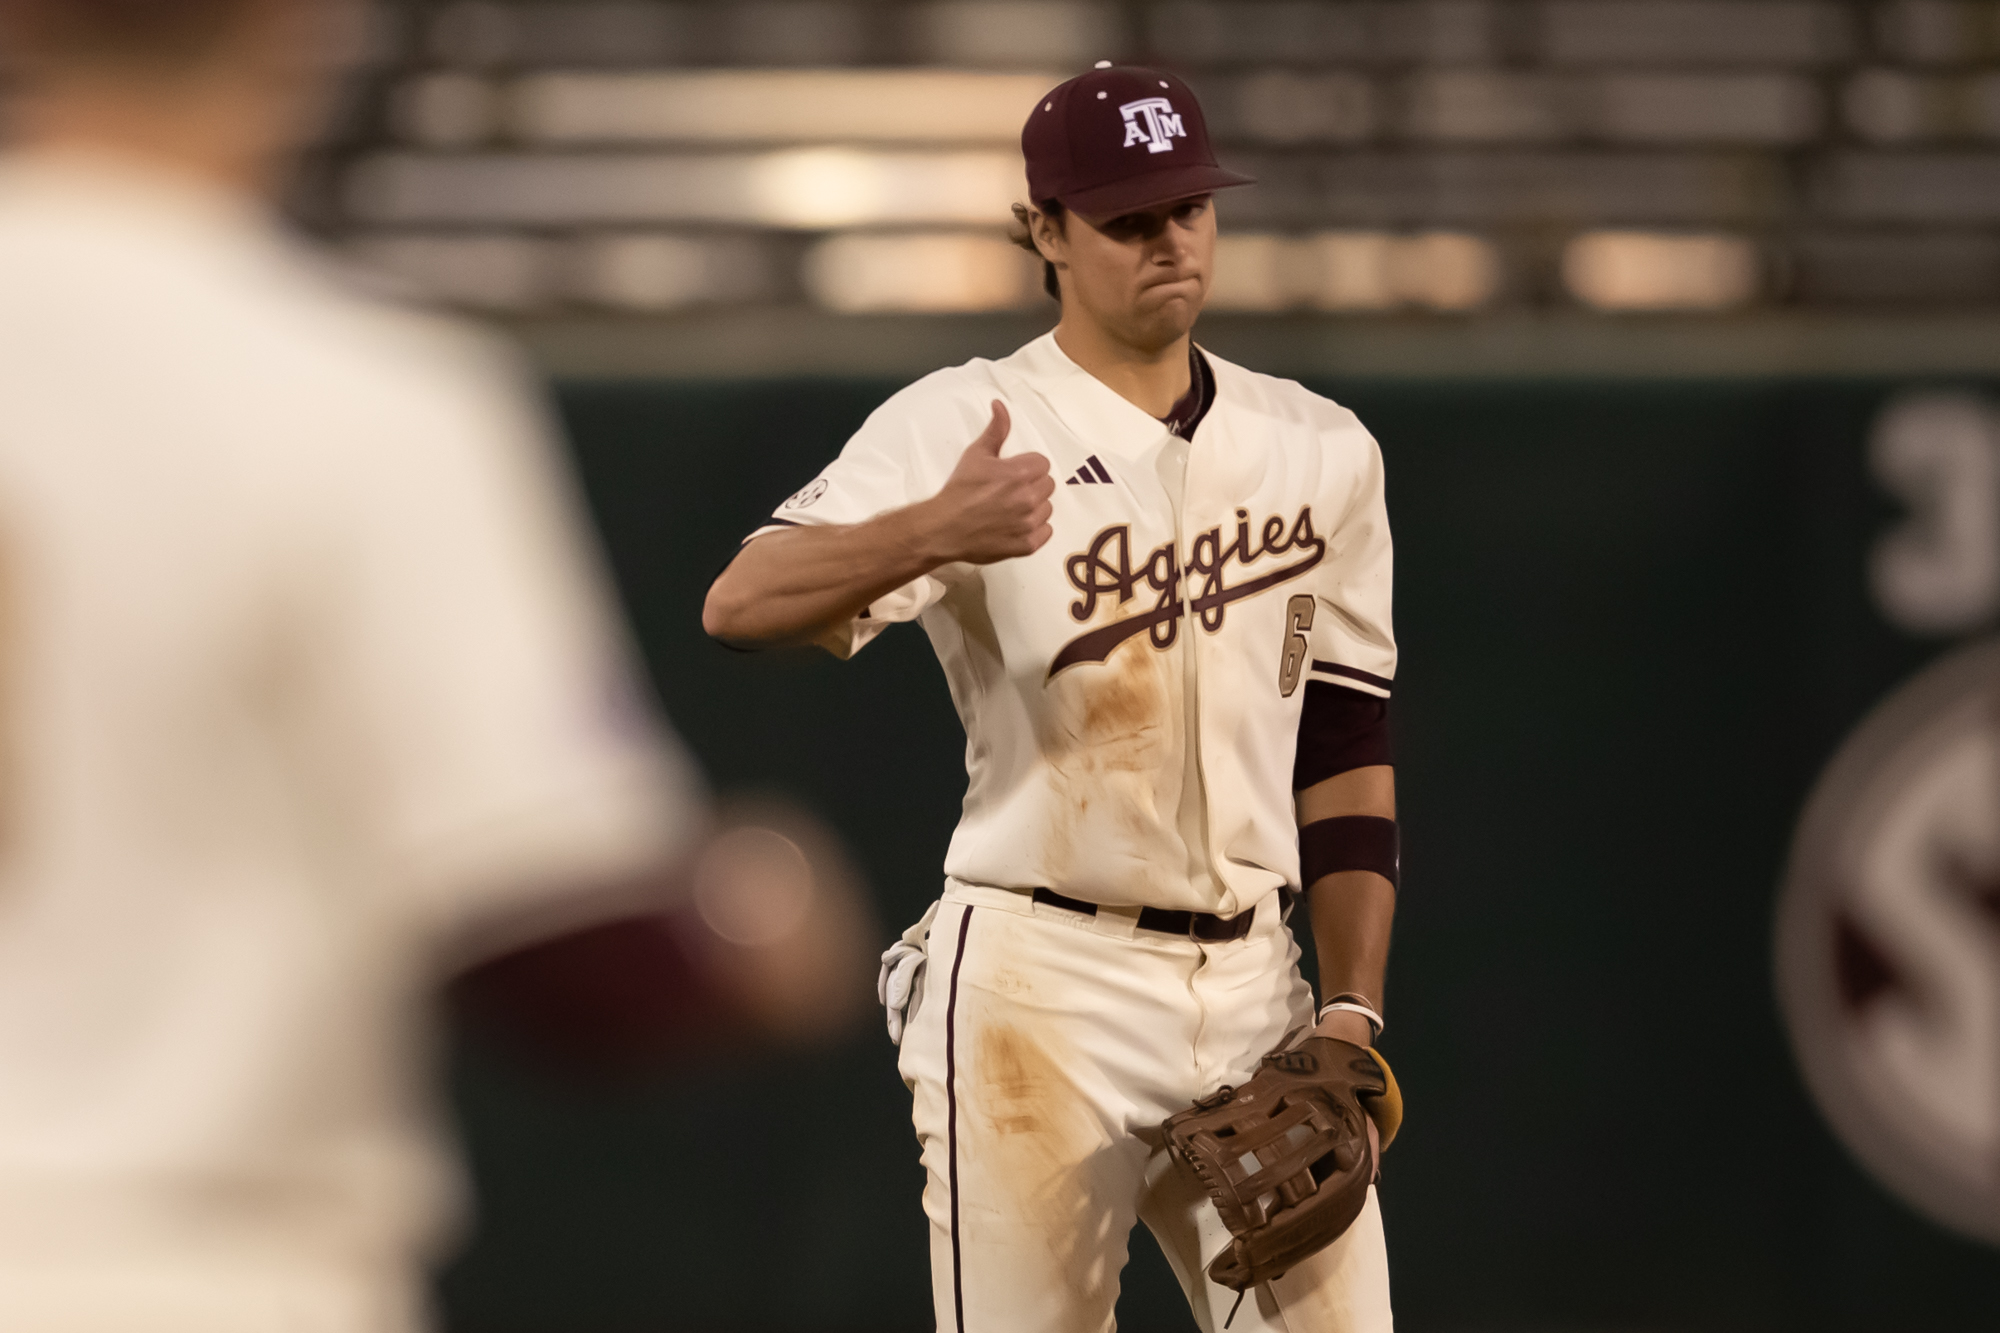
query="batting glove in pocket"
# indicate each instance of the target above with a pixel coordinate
(900, 984)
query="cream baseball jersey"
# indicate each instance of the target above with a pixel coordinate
(1201, 582)
(305, 672)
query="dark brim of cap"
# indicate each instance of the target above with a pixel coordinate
(1155, 187)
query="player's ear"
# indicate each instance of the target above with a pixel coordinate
(1051, 240)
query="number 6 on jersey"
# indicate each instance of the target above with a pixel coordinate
(1298, 621)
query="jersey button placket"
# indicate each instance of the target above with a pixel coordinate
(1191, 682)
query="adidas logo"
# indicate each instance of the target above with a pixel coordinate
(1092, 473)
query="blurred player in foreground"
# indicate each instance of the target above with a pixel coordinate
(309, 693)
(1159, 585)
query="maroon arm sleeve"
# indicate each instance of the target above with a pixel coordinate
(1340, 729)
(619, 995)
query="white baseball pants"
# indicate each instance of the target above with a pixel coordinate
(1044, 1054)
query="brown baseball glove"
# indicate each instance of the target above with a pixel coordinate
(1288, 1156)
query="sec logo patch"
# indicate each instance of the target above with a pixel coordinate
(808, 497)
(1888, 942)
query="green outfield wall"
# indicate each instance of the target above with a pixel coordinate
(1635, 621)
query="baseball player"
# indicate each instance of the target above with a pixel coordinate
(308, 686)
(1159, 585)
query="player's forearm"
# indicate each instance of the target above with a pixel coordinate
(1351, 910)
(794, 586)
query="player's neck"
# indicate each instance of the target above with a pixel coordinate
(1152, 379)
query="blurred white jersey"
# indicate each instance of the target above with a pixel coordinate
(304, 674)
(1130, 692)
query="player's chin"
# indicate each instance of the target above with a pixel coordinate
(1167, 315)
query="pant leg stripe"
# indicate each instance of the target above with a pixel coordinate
(951, 1116)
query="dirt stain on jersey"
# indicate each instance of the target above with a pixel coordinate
(1110, 716)
(1037, 1143)
(1108, 728)
(1122, 707)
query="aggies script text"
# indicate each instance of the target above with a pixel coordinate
(1107, 568)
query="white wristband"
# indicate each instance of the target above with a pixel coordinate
(1342, 1004)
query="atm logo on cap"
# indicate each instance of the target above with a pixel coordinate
(1153, 122)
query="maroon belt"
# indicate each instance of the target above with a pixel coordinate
(1199, 925)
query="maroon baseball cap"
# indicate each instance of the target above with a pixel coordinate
(1120, 138)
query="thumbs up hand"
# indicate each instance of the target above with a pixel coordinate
(994, 508)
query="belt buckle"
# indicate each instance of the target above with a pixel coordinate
(1226, 928)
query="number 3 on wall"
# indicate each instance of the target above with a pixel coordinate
(1298, 620)
(1938, 572)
